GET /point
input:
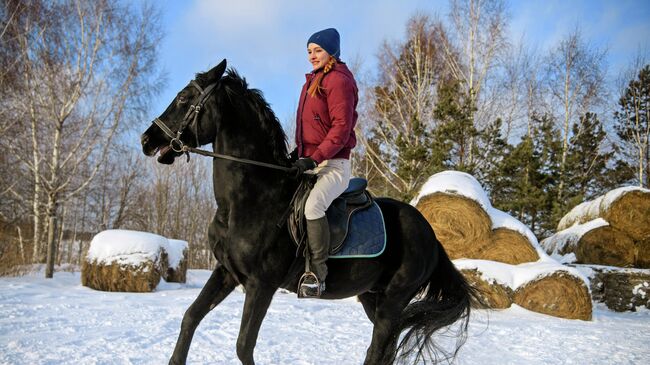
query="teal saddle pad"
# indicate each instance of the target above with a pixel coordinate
(366, 235)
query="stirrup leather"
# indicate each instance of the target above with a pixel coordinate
(309, 286)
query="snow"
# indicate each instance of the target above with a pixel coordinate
(126, 247)
(58, 321)
(133, 247)
(569, 237)
(175, 251)
(514, 276)
(454, 182)
(597, 207)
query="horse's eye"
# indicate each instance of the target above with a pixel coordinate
(182, 100)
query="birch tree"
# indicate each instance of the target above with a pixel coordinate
(84, 72)
(475, 42)
(397, 140)
(575, 77)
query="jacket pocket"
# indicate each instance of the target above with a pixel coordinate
(319, 122)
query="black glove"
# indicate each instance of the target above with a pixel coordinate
(302, 165)
(293, 156)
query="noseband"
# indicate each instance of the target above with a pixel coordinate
(191, 116)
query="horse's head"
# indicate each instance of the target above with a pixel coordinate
(179, 124)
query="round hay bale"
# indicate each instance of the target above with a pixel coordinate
(509, 246)
(124, 260)
(493, 294)
(174, 270)
(605, 246)
(117, 277)
(559, 294)
(631, 214)
(626, 208)
(642, 254)
(460, 223)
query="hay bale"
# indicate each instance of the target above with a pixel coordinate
(495, 295)
(175, 254)
(461, 224)
(642, 254)
(559, 294)
(627, 209)
(114, 276)
(565, 242)
(508, 246)
(122, 260)
(631, 214)
(605, 245)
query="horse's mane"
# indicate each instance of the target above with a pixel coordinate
(237, 90)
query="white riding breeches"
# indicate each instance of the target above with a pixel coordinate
(333, 179)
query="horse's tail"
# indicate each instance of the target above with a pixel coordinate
(441, 301)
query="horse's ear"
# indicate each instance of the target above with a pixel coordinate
(217, 71)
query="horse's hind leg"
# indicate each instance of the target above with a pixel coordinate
(369, 302)
(216, 289)
(258, 300)
(384, 333)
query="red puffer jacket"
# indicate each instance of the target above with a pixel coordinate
(325, 122)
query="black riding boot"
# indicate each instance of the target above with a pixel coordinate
(318, 239)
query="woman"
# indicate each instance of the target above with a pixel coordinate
(324, 137)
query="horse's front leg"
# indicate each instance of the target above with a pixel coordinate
(219, 285)
(258, 299)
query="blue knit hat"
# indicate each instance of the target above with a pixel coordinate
(329, 40)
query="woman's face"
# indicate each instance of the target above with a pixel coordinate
(317, 56)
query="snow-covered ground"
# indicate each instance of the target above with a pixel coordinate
(58, 321)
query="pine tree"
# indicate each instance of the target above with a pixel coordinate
(492, 146)
(527, 183)
(633, 128)
(456, 127)
(587, 162)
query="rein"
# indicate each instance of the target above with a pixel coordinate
(191, 117)
(185, 148)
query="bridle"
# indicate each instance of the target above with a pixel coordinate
(192, 116)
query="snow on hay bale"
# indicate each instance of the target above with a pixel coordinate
(467, 225)
(130, 261)
(626, 209)
(176, 257)
(544, 286)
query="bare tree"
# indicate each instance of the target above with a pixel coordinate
(575, 80)
(84, 72)
(473, 47)
(394, 128)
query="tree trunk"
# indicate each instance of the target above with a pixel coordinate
(21, 245)
(59, 251)
(51, 240)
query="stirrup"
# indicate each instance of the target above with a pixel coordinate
(309, 286)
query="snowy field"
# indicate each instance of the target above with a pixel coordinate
(61, 322)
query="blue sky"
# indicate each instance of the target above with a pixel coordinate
(266, 40)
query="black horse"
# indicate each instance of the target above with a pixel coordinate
(412, 286)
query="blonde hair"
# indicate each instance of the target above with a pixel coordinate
(315, 85)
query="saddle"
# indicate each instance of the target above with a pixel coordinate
(354, 199)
